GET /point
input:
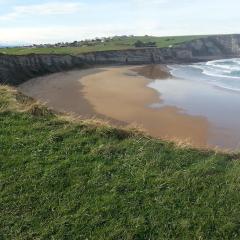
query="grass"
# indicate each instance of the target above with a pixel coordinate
(80, 180)
(117, 43)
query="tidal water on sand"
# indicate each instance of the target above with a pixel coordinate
(210, 90)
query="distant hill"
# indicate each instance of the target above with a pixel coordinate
(7, 45)
(101, 44)
(11, 45)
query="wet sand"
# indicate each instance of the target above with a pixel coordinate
(119, 95)
(153, 71)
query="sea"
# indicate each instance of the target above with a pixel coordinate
(206, 89)
(220, 73)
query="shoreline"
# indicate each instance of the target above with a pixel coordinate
(166, 123)
(119, 95)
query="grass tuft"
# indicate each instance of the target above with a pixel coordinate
(23, 99)
(39, 111)
(114, 133)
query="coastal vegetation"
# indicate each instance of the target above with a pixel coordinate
(139, 44)
(103, 44)
(62, 178)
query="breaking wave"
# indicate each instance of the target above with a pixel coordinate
(220, 73)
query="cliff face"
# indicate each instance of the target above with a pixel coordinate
(209, 48)
(17, 69)
(222, 46)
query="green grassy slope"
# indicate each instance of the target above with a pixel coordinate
(117, 43)
(65, 180)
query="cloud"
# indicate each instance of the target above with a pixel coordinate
(52, 8)
(53, 34)
(149, 2)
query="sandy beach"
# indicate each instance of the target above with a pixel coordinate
(119, 95)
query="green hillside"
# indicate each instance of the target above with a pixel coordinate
(116, 43)
(61, 179)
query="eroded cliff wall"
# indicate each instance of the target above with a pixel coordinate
(17, 69)
(206, 48)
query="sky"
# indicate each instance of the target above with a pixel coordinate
(41, 21)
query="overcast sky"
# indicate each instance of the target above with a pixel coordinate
(36, 21)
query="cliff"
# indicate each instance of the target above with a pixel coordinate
(17, 69)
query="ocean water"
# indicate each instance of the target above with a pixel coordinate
(220, 73)
(210, 90)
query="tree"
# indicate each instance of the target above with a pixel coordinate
(139, 44)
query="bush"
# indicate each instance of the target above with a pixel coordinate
(139, 44)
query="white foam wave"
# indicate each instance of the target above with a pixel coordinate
(224, 73)
(220, 68)
(215, 73)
